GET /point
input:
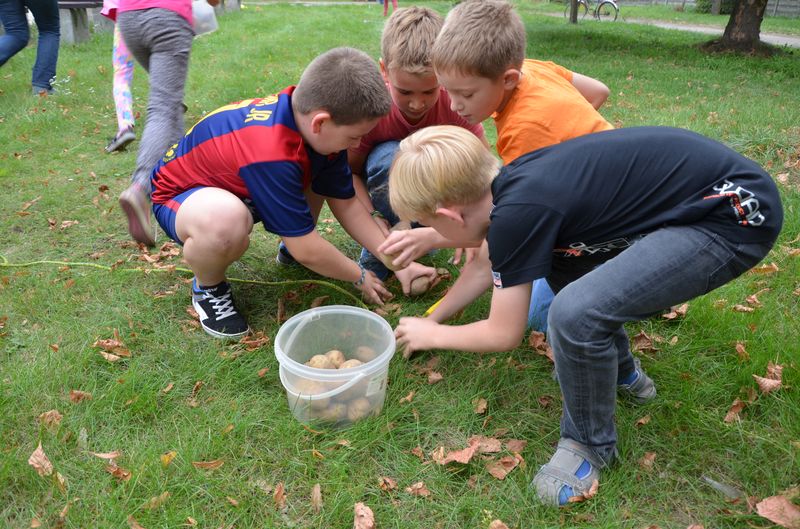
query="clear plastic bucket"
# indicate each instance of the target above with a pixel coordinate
(338, 397)
(205, 20)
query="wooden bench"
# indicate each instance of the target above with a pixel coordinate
(75, 19)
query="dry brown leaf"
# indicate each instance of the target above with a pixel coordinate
(516, 445)
(497, 524)
(779, 510)
(316, 498)
(254, 341)
(741, 352)
(232, 501)
(459, 456)
(774, 371)
(316, 302)
(643, 343)
(734, 411)
(753, 301)
(765, 269)
(363, 517)
(133, 524)
(110, 357)
(501, 468)
(118, 472)
(279, 496)
(262, 372)
(417, 451)
(538, 343)
(586, 495)
(39, 461)
(156, 501)
(77, 396)
(545, 401)
(479, 405)
(434, 377)
(190, 522)
(647, 461)
(418, 489)
(208, 465)
(387, 484)
(676, 312)
(742, 308)
(167, 457)
(408, 398)
(35, 523)
(767, 385)
(107, 455)
(695, 526)
(642, 421)
(168, 388)
(50, 419)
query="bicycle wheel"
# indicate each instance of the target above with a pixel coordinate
(583, 8)
(607, 10)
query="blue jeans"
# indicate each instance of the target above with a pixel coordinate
(376, 172)
(45, 14)
(664, 268)
(541, 298)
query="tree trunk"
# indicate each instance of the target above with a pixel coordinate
(744, 26)
(573, 11)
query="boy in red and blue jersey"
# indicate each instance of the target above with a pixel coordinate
(274, 160)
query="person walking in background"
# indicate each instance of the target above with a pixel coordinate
(17, 34)
(159, 34)
(122, 60)
(386, 6)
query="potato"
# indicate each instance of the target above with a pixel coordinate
(306, 388)
(359, 408)
(365, 353)
(320, 362)
(350, 363)
(336, 357)
(334, 413)
(419, 286)
(388, 261)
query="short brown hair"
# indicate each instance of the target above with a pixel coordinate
(480, 37)
(408, 37)
(346, 83)
(439, 166)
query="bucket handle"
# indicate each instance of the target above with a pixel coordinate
(328, 394)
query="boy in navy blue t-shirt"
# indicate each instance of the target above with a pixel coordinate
(623, 224)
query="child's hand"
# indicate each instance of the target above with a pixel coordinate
(468, 253)
(372, 289)
(415, 334)
(413, 271)
(406, 245)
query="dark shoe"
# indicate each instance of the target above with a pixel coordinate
(121, 140)
(136, 205)
(218, 315)
(284, 258)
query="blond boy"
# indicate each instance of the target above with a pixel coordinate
(274, 160)
(418, 101)
(670, 216)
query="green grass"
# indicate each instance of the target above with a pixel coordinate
(630, 13)
(53, 151)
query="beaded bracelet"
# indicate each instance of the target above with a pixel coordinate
(362, 278)
(376, 214)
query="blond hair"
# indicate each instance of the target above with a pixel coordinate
(408, 37)
(437, 167)
(344, 82)
(480, 37)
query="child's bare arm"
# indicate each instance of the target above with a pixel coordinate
(408, 245)
(502, 331)
(475, 279)
(593, 90)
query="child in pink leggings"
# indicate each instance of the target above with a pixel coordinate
(123, 77)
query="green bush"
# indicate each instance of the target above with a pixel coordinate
(704, 6)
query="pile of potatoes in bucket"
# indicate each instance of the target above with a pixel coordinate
(348, 406)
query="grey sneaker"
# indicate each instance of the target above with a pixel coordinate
(121, 140)
(642, 390)
(136, 205)
(284, 258)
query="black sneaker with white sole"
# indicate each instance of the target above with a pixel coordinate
(218, 315)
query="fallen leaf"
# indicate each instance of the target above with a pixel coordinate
(741, 352)
(458, 456)
(133, 524)
(434, 377)
(767, 385)
(545, 401)
(497, 524)
(50, 419)
(418, 489)
(586, 495)
(254, 341)
(537, 341)
(77, 396)
(168, 388)
(779, 510)
(479, 405)
(516, 445)
(766, 269)
(39, 461)
(676, 312)
(647, 461)
(774, 371)
(695, 526)
(363, 517)
(35, 523)
(117, 471)
(316, 302)
(753, 301)
(262, 372)
(107, 455)
(643, 343)
(208, 465)
(156, 501)
(191, 522)
(734, 411)
(110, 357)
(167, 457)
(387, 484)
(743, 308)
(232, 501)
(642, 421)
(279, 496)
(408, 398)
(501, 468)
(316, 498)
(419, 453)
